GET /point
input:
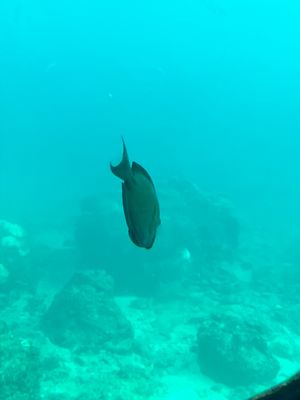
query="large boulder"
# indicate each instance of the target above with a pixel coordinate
(12, 241)
(84, 316)
(233, 351)
(20, 367)
(12, 248)
(199, 222)
(15, 265)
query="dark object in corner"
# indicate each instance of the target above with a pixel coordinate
(288, 390)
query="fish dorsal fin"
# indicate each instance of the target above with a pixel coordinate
(137, 168)
(122, 170)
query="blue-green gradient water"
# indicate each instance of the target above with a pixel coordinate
(209, 89)
(206, 93)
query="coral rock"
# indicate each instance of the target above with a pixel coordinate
(84, 316)
(235, 352)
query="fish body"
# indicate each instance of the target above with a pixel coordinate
(140, 202)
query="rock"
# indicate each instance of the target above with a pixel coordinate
(84, 316)
(233, 351)
(13, 251)
(20, 374)
(284, 347)
(12, 239)
(205, 225)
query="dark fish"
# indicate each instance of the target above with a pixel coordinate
(140, 203)
(288, 390)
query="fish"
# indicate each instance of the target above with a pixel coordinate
(287, 390)
(140, 201)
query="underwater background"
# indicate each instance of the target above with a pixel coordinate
(206, 95)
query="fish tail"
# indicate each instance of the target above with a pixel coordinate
(123, 169)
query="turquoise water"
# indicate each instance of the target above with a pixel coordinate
(206, 95)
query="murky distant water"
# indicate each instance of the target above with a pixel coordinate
(206, 89)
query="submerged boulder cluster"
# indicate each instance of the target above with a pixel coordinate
(12, 248)
(108, 347)
(20, 367)
(234, 350)
(205, 224)
(12, 239)
(84, 316)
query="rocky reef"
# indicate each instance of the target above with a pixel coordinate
(233, 350)
(12, 239)
(84, 316)
(205, 224)
(13, 248)
(20, 370)
(96, 318)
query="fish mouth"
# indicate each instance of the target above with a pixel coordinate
(145, 243)
(150, 244)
